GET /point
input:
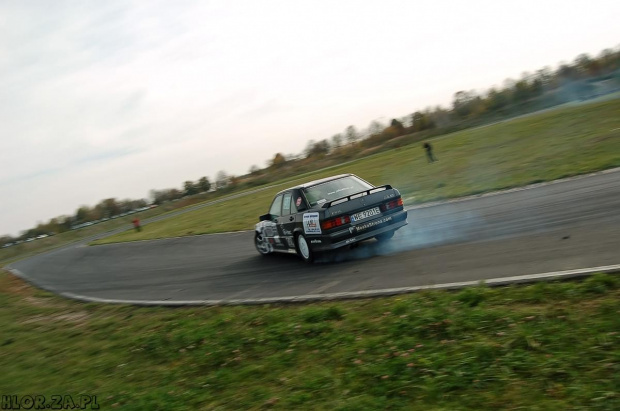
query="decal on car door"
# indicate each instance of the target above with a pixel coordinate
(311, 223)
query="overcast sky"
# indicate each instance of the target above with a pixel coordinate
(104, 99)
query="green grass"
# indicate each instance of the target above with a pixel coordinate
(542, 147)
(547, 346)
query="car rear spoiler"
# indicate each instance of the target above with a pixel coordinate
(356, 195)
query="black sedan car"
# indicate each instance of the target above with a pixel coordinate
(328, 214)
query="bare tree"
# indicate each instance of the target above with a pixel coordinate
(221, 180)
(375, 128)
(317, 149)
(337, 140)
(351, 134)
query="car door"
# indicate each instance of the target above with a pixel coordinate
(271, 227)
(286, 222)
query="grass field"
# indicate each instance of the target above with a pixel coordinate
(549, 346)
(542, 147)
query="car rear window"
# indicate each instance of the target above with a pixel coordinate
(335, 189)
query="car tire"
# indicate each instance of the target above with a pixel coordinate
(261, 245)
(303, 249)
(385, 236)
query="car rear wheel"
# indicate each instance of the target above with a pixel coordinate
(303, 249)
(385, 236)
(262, 246)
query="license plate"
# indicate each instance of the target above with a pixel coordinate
(365, 214)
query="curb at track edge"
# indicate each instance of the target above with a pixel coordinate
(493, 282)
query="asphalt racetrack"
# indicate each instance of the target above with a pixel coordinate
(566, 225)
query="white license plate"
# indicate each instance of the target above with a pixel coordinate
(366, 214)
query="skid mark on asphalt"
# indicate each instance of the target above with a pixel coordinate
(324, 287)
(236, 296)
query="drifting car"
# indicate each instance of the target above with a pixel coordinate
(328, 214)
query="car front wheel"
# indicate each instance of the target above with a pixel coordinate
(303, 249)
(262, 246)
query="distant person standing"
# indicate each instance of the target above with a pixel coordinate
(136, 224)
(429, 153)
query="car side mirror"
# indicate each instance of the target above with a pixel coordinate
(265, 217)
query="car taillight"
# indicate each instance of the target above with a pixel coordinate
(392, 204)
(335, 222)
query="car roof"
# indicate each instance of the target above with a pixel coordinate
(317, 182)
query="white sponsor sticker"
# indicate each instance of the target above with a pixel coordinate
(311, 223)
(269, 231)
(362, 227)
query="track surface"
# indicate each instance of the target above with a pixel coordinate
(561, 226)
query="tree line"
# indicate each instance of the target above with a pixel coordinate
(586, 77)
